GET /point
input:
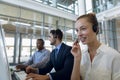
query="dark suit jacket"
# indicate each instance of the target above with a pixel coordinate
(63, 65)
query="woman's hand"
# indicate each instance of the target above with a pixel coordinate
(76, 50)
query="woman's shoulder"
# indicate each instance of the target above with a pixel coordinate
(105, 49)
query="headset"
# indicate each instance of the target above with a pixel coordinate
(95, 29)
(58, 34)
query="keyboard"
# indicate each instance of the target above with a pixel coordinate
(20, 75)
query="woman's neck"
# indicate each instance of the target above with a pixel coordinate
(92, 49)
(93, 46)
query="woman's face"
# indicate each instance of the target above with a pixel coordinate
(84, 31)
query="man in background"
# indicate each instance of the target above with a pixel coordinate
(61, 60)
(39, 59)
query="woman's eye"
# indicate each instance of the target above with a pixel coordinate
(83, 28)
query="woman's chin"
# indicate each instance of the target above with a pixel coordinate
(84, 43)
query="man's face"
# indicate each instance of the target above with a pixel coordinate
(39, 45)
(52, 39)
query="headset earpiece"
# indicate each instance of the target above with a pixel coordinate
(95, 29)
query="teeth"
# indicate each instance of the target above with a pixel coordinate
(83, 39)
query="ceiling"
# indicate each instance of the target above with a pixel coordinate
(66, 2)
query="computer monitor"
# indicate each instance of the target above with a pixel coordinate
(4, 65)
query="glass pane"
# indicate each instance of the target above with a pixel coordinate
(9, 39)
(25, 50)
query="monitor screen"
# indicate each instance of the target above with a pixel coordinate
(4, 65)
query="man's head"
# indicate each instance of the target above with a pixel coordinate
(40, 44)
(55, 36)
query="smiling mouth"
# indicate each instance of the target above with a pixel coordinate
(83, 39)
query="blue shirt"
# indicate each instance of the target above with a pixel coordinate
(58, 47)
(39, 59)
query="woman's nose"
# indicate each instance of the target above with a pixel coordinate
(79, 33)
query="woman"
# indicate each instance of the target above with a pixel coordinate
(98, 61)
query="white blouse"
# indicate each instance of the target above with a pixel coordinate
(105, 65)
